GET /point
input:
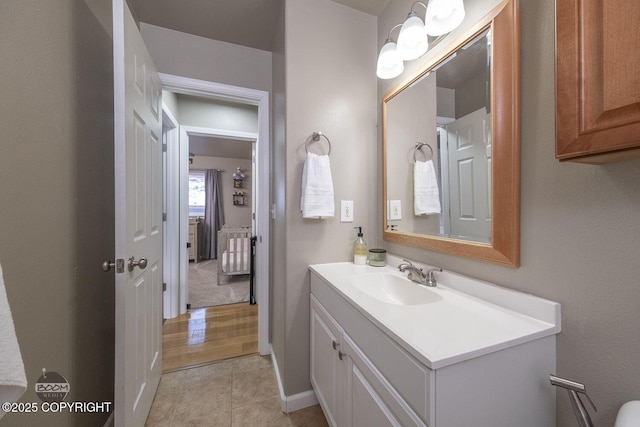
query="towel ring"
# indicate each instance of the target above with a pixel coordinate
(419, 146)
(316, 137)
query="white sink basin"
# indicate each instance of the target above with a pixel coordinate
(460, 319)
(395, 290)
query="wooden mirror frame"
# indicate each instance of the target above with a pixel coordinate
(504, 247)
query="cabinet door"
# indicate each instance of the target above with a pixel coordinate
(364, 406)
(597, 85)
(370, 400)
(325, 363)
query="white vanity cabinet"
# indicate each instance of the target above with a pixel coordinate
(365, 375)
(351, 390)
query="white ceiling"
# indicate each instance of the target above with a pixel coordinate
(250, 23)
(372, 7)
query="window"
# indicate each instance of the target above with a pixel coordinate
(196, 193)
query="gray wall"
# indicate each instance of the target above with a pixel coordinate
(170, 99)
(330, 87)
(230, 116)
(217, 114)
(56, 187)
(471, 95)
(233, 214)
(278, 170)
(413, 115)
(187, 55)
(579, 229)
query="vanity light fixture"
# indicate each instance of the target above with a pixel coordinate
(390, 63)
(441, 17)
(412, 40)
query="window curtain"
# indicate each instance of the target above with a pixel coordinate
(213, 214)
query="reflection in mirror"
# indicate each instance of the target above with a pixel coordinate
(439, 148)
(451, 146)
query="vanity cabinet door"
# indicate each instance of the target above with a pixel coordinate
(364, 406)
(370, 400)
(326, 366)
(597, 96)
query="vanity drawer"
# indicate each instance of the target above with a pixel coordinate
(413, 381)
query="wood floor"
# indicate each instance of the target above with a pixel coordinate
(205, 335)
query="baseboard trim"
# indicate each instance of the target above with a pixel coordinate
(294, 402)
(300, 401)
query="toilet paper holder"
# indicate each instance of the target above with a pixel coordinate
(573, 388)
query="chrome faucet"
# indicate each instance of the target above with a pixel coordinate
(403, 267)
(418, 275)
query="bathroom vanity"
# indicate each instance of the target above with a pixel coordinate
(386, 351)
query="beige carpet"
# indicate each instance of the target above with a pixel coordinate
(204, 290)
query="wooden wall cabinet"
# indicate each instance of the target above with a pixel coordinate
(597, 80)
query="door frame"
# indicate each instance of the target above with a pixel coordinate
(259, 99)
(171, 176)
(185, 133)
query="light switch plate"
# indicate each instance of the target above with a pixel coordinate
(346, 210)
(395, 209)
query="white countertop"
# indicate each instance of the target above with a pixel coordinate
(473, 318)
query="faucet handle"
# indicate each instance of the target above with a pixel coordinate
(430, 278)
(432, 270)
(403, 267)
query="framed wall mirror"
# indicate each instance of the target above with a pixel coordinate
(451, 146)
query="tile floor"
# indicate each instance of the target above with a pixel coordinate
(232, 393)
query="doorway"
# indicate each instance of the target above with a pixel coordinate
(221, 182)
(180, 155)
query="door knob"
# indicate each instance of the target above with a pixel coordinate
(142, 263)
(107, 265)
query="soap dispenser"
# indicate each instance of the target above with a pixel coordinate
(359, 249)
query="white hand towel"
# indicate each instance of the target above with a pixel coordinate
(426, 196)
(316, 200)
(13, 381)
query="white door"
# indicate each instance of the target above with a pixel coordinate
(469, 177)
(138, 222)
